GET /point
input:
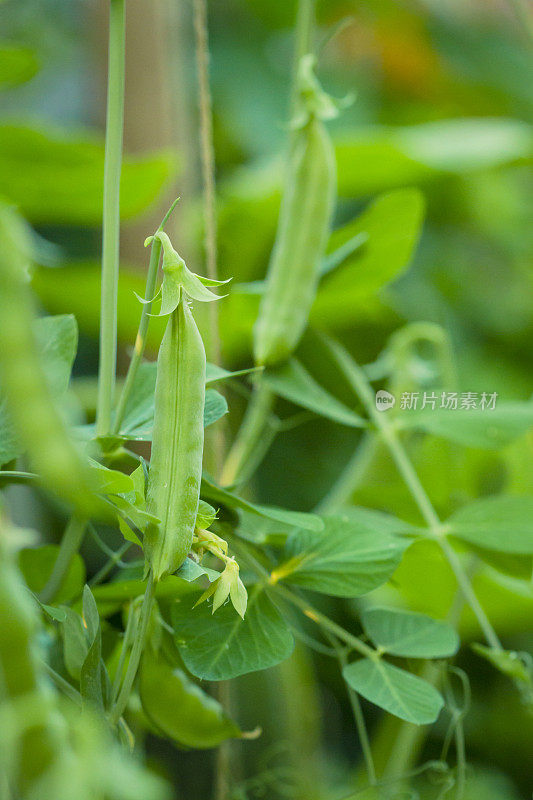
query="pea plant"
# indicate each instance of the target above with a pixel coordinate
(209, 583)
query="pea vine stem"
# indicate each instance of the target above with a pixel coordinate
(140, 340)
(139, 639)
(207, 159)
(361, 386)
(111, 216)
(357, 711)
(70, 544)
(249, 435)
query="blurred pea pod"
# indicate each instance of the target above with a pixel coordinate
(178, 434)
(29, 736)
(39, 425)
(303, 225)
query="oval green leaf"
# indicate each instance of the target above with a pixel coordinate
(346, 559)
(410, 635)
(222, 646)
(503, 524)
(399, 692)
(292, 382)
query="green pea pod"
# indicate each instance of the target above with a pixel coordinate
(24, 385)
(177, 445)
(20, 683)
(302, 234)
(178, 435)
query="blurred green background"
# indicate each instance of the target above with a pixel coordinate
(444, 103)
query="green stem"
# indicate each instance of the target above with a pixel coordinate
(136, 653)
(357, 711)
(361, 386)
(305, 24)
(250, 437)
(207, 159)
(70, 544)
(460, 752)
(111, 218)
(140, 341)
(325, 622)
(63, 685)
(128, 636)
(112, 562)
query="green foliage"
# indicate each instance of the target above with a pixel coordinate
(223, 646)
(294, 383)
(370, 162)
(399, 692)
(65, 182)
(375, 538)
(504, 524)
(476, 427)
(36, 565)
(57, 339)
(295, 519)
(346, 559)
(400, 633)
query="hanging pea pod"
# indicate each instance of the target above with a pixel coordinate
(178, 434)
(303, 225)
(38, 422)
(32, 732)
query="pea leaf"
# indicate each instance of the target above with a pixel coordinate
(57, 339)
(346, 559)
(215, 373)
(179, 708)
(223, 646)
(294, 383)
(463, 145)
(215, 407)
(65, 182)
(393, 225)
(503, 524)
(190, 571)
(399, 692)
(36, 566)
(110, 481)
(409, 635)
(139, 414)
(94, 680)
(90, 613)
(372, 161)
(487, 429)
(91, 674)
(75, 642)
(296, 519)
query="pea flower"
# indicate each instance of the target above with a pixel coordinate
(227, 585)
